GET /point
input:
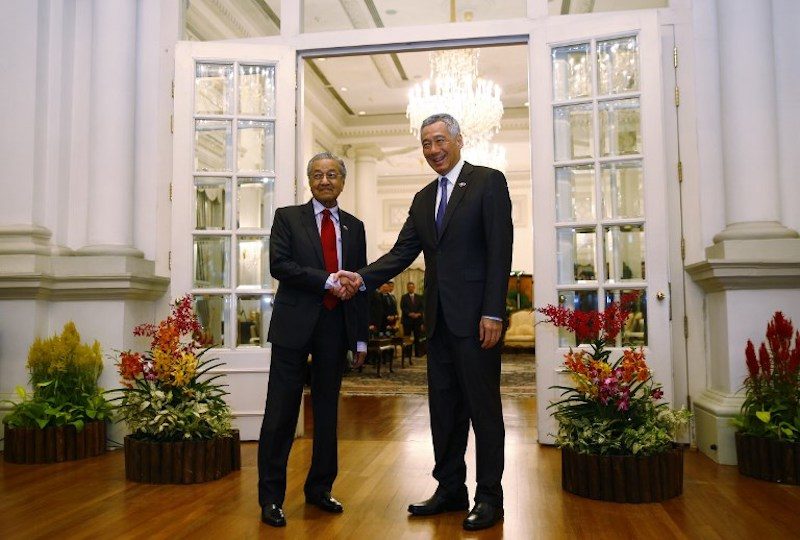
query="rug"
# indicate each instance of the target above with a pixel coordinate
(517, 378)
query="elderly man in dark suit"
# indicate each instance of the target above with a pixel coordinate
(462, 223)
(309, 243)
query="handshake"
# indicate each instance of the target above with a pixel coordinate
(346, 284)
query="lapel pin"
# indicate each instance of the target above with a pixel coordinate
(462, 184)
(345, 227)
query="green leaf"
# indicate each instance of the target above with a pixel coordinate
(764, 416)
(42, 422)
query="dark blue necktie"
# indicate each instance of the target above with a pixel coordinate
(442, 206)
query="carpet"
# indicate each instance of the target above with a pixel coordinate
(517, 378)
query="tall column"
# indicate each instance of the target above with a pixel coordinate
(366, 176)
(749, 122)
(113, 93)
(753, 267)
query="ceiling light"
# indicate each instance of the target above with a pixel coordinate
(455, 88)
(362, 113)
(343, 89)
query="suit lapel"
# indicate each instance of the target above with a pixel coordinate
(344, 227)
(310, 225)
(429, 209)
(460, 187)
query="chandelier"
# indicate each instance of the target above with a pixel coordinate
(455, 88)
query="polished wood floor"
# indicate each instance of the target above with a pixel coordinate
(385, 461)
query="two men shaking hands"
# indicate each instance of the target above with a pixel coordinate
(461, 222)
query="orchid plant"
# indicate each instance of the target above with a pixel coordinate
(772, 388)
(613, 407)
(167, 392)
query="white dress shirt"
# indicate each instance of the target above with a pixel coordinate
(361, 346)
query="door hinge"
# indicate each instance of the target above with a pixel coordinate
(170, 192)
(169, 260)
(686, 327)
(172, 92)
(683, 248)
(677, 96)
(675, 56)
(680, 172)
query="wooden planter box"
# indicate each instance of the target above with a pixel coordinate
(54, 444)
(182, 462)
(625, 479)
(768, 459)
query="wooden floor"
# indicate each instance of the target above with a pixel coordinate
(385, 460)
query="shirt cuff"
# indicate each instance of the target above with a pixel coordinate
(492, 318)
(361, 346)
(331, 282)
(363, 285)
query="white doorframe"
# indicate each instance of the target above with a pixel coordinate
(537, 33)
(645, 25)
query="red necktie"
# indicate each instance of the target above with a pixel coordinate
(328, 236)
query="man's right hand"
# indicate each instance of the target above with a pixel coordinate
(349, 284)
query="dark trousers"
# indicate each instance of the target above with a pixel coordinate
(464, 388)
(413, 327)
(287, 375)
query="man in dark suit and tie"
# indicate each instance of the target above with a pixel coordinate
(309, 243)
(462, 223)
(411, 313)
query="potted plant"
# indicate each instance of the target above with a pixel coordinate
(768, 436)
(179, 421)
(63, 418)
(615, 435)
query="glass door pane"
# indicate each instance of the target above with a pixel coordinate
(234, 125)
(599, 192)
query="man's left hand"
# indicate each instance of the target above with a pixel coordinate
(489, 332)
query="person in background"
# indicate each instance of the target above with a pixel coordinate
(412, 317)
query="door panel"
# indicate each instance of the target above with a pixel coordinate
(234, 163)
(599, 187)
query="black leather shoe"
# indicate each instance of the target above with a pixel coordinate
(482, 516)
(272, 514)
(324, 501)
(437, 504)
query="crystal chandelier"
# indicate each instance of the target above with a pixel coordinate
(455, 88)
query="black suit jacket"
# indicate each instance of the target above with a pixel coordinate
(407, 307)
(467, 268)
(296, 261)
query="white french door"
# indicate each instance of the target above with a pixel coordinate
(599, 186)
(234, 164)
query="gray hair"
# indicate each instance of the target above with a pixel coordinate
(326, 155)
(451, 123)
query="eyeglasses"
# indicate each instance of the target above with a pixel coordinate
(330, 175)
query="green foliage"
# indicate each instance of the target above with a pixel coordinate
(771, 407)
(591, 429)
(511, 301)
(161, 412)
(63, 374)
